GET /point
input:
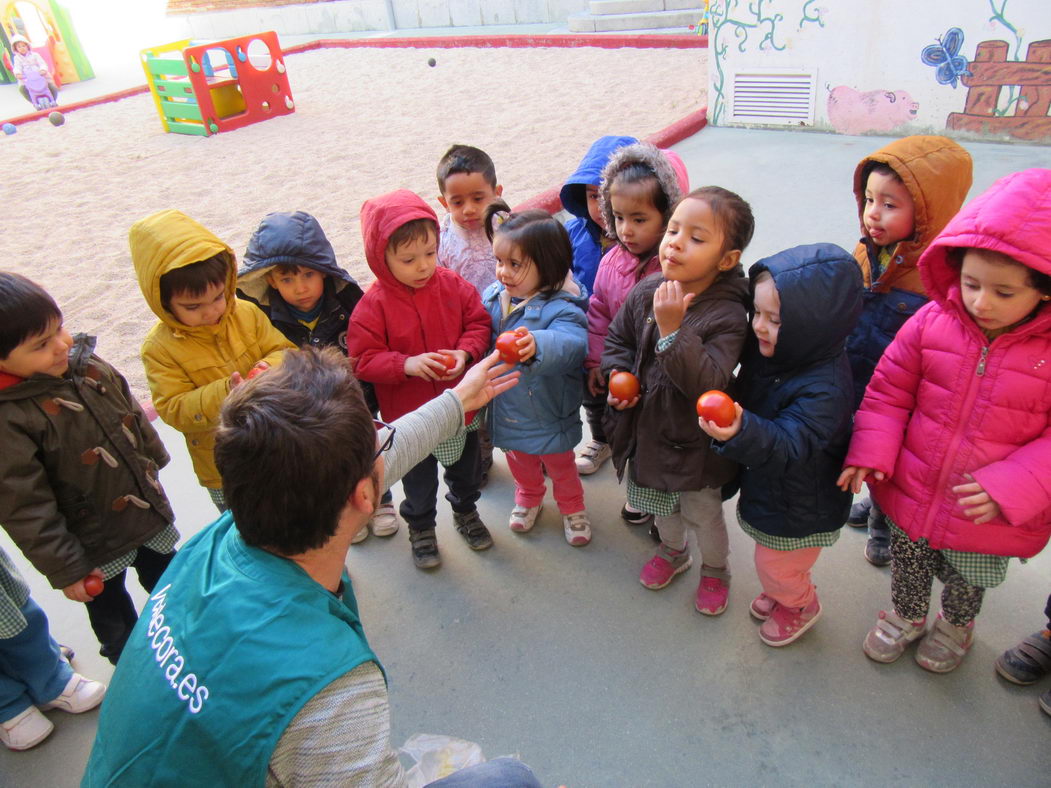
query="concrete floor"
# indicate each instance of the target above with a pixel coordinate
(559, 655)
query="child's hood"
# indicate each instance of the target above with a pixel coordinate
(380, 217)
(589, 173)
(820, 288)
(937, 173)
(668, 167)
(168, 240)
(17, 39)
(1013, 217)
(287, 239)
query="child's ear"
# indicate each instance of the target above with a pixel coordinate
(441, 199)
(499, 190)
(730, 260)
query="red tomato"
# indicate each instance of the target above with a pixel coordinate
(449, 360)
(256, 371)
(716, 406)
(93, 585)
(624, 386)
(507, 346)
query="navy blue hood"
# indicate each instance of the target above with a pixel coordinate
(287, 239)
(589, 173)
(820, 288)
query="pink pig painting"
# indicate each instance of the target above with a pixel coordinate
(852, 112)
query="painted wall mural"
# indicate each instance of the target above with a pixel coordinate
(964, 67)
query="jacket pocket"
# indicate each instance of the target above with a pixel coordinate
(895, 308)
(81, 518)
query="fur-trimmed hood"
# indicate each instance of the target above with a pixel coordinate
(665, 164)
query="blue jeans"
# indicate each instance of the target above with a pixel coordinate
(32, 671)
(497, 773)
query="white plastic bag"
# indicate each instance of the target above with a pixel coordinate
(438, 756)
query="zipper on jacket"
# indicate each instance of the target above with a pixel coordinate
(981, 361)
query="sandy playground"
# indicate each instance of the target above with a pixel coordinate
(367, 121)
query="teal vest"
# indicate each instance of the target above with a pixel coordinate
(229, 647)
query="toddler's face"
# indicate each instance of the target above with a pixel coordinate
(691, 251)
(466, 196)
(889, 211)
(43, 354)
(413, 263)
(516, 272)
(301, 289)
(997, 294)
(22, 48)
(767, 320)
(594, 209)
(638, 223)
(206, 309)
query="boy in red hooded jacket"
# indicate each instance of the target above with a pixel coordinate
(412, 335)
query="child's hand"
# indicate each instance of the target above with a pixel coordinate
(596, 382)
(669, 306)
(852, 477)
(77, 592)
(619, 404)
(526, 347)
(236, 380)
(461, 364)
(428, 366)
(714, 431)
(258, 369)
(982, 507)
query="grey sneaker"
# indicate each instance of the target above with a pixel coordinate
(593, 457)
(890, 637)
(945, 646)
(424, 548)
(473, 530)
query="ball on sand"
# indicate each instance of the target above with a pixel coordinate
(56, 118)
(9, 128)
(432, 62)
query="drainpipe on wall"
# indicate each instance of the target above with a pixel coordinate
(391, 23)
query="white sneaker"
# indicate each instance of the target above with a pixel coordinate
(80, 694)
(523, 519)
(593, 456)
(25, 730)
(385, 520)
(361, 535)
(577, 527)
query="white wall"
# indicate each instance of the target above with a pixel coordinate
(866, 59)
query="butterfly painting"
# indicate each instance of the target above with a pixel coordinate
(946, 58)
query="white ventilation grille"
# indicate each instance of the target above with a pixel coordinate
(772, 96)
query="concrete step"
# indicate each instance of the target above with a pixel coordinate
(606, 7)
(647, 20)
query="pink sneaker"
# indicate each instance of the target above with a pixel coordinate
(664, 565)
(761, 608)
(712, 592)
(787, 624)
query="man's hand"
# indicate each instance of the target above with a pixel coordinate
(484, 381)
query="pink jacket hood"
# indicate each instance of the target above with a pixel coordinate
(947, 405)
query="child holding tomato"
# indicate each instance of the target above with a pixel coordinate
(954, 432)
(537, 423)
(681, 332)
(416, 317)
(80, 462)
(640, 186)
(791, 430)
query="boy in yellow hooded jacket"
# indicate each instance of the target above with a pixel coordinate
(206, 340)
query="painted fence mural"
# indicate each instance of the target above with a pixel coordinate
(962, 67)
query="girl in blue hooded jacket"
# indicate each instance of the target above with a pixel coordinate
(537, 423)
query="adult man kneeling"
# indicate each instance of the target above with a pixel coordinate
(249, 665)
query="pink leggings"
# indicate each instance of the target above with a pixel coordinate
(528, 472)
(785, 574)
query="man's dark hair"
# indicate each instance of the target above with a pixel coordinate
(26, 310)
(292, 445)
(195, 278)
(464, 160)
(415, 230)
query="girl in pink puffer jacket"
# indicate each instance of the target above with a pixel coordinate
(955, 427)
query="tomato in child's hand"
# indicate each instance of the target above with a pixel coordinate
(716, 406)
(449, 360)
(624, 386)
(93, 585)
(256, 371)
(507, 347)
